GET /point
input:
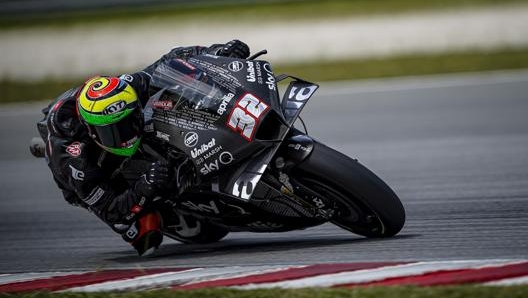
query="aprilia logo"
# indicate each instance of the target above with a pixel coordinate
(225, 100)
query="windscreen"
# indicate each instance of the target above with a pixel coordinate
(188, 83)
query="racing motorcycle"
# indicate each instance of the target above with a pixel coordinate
(242, 165)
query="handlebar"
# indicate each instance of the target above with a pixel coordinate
(258, 54)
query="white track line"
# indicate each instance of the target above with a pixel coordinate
(191, 276)
(172, 278)
(522, 280)
(245, 274)
(22, 277)
(368, 275)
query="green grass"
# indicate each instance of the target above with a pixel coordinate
(324, 71)
(284, 10)
(18, 91)
(371, 292)
(409, 65)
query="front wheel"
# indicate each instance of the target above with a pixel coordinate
(363, 203)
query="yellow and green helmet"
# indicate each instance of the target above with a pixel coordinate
(111, 110)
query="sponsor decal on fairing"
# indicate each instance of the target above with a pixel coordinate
(225, 101)
(163, 104)
(224, 158)
(203, 148)
(190, 139)
(235, 66)
(251, 75)
(246, 115)
(270, 81)
(299, 147)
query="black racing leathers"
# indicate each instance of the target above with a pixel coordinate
(90, 177)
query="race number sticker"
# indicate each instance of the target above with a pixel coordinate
(246, 115)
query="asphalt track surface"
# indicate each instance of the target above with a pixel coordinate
(454, 148)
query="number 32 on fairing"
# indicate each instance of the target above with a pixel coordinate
(244, 118)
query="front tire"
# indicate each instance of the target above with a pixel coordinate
(364, 204)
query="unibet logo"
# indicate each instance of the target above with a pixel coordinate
(251, 77)
(203, 148)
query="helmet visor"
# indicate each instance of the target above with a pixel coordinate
(125, 133)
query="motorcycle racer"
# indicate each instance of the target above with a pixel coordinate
(93, 148)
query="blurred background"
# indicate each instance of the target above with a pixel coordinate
(49, 45)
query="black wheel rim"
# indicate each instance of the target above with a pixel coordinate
(351, 214)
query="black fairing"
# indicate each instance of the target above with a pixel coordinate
(225, 116)
(212, 109)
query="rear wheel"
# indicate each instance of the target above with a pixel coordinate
(363, 203)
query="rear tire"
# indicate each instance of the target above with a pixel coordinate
(365, 205)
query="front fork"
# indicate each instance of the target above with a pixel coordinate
(294, 150)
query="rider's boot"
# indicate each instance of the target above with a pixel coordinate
(145, 234)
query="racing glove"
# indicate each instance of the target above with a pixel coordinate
(154, 181)
(234, 49)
